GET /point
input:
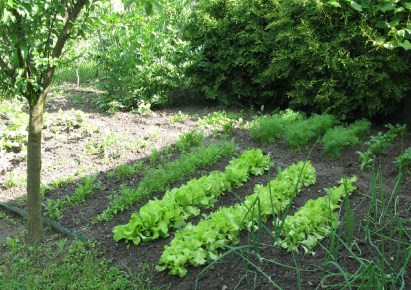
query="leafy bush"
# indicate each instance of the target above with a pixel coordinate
(339, 137)
(304, 54)
(143, 57)
(302, 132)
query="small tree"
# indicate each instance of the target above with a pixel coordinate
(32, 38)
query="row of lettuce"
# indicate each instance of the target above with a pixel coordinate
(202, 243)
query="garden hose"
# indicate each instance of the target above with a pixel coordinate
(53, 224)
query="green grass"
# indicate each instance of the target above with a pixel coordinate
(86, 72)
(337, 138)
(62, 266)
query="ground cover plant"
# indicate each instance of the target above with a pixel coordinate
(54, 266)
(157, 217)
(337, 138)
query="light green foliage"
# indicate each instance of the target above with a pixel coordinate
(54, 207)
(179, 117)
(62, 266)
(13, 133)
(64, 120)
(339, 137)
(380, 143)
(157, 217)
(387, 22)
(124, 171)
(300, 54)
(270, 128)
(13, 180)
(196, 245)
(156, 179)
(144, 57)
(315, 220)
(404, 161)
(301, 133)
(220, 121)
(188, 140)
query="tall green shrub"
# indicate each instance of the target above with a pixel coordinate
(308, 55)
(143, 56)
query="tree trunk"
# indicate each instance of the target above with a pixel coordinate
(34, 217)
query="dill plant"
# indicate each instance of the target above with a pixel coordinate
(301, 133)
(337, 138)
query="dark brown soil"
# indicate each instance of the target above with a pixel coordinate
(65, 154)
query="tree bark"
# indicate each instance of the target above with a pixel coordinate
(34, 217)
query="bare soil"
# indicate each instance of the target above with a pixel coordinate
(65, 153)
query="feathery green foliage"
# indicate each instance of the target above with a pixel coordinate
(337, 138)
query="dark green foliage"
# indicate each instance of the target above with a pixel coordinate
(380, 143)
(270, 128)
(302, 132)
(339, 137)
(302, 54)
(404, 161)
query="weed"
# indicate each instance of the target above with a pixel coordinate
(14, 181)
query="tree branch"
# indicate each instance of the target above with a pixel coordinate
(63, 37)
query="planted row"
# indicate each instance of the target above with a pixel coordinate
(315, 220)
(293, 127)
(157, 217)
(195, 245)
(54, 207)
(156, 179)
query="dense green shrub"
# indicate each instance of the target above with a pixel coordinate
(339, 137)
(143, 57)
(305, 54)
(302, 132)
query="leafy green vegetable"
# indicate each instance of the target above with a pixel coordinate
(195, 245)
(157, 217)
(315, 220)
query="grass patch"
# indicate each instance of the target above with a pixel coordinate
(63, 266)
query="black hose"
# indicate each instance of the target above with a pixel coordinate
(53, 224)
